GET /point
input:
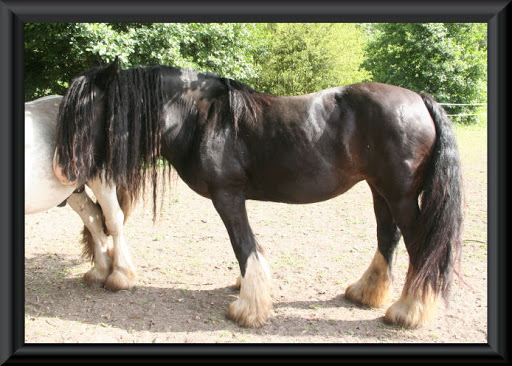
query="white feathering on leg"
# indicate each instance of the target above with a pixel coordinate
(374, 287)
(253, 307)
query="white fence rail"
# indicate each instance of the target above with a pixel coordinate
(464, 104)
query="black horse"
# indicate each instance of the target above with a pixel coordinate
(230, 143)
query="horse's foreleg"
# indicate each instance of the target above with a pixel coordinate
(254, 304)
(374, 287)
(92, 217)
(123, 273)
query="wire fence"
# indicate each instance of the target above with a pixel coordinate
(464, 104)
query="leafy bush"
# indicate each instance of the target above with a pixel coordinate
(448, 60)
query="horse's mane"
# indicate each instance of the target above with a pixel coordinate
(74, 130)
(133, 104)
(134, 101)
(244, 101)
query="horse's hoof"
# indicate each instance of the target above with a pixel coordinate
(369, 294)
(253, 307)
(241, 312)
(409, 312)
(119, 280)
(374, 287)
(95, 278)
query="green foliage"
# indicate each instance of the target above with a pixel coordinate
(302, 58)
(50, 59)
(55, 53)
(448, 61)
(445, 60)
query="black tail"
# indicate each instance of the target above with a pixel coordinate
(438, 244)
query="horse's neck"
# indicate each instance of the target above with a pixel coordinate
(178, 132)
(190, 106)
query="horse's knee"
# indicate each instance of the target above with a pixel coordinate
(114, 222)
(82, 204)
(107, 198)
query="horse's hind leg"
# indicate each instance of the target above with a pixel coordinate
(416, 304)
(123, 274)
(253, 306)
(92, 217)
(374, 287)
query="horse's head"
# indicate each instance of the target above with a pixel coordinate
(104, 77)
(102, 80)
(82, 116)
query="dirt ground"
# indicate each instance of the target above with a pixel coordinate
(187, 269)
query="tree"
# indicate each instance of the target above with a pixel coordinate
(56, 52)
(282, 59)
(51, 58)
(300, 58)
(448, 61)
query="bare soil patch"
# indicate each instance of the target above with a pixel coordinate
(187, 269)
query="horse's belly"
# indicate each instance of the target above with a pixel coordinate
(302, 189)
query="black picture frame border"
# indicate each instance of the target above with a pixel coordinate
(13, 16)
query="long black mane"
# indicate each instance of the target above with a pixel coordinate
(128, 147)
(244, 102)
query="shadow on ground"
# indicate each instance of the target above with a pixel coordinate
(51, 292)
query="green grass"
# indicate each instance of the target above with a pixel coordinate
(292, 260)
(468, 135)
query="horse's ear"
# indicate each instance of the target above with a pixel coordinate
(105, 77)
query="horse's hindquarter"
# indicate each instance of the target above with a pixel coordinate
(42, 188)
(298, 151)
(394, 133)
(317, 146)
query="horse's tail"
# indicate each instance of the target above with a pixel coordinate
(127, 205)
(437, 249)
